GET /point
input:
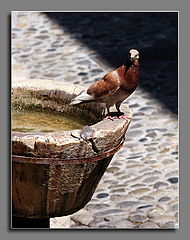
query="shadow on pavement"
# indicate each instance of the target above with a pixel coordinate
(112, 34)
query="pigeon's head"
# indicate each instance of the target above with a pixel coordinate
(133, 55)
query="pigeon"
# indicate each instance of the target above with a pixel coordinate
(114, 87)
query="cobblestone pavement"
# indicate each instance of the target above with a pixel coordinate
(140, 186)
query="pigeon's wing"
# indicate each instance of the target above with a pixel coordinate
(106, 86)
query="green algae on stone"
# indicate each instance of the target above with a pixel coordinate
(36, 121)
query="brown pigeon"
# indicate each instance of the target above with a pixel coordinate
(115, 86)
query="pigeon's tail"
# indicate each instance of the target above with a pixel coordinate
(82, 97)
(74, 102)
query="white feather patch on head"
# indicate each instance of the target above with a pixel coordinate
(134, 53)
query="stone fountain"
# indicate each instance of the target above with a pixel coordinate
(56, 173)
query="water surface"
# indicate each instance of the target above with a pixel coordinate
(35, 121)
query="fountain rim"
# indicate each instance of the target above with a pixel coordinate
(101, 128)
(59, 161)
(30, 87)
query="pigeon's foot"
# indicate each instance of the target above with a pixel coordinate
(116, 115)
(124, 117)
(110, 117)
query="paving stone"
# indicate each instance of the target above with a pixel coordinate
(174, 207)
(139, 191)
(136, 126)
(152, 135)
(83, 216)
(146, 198)
(134, 133)
(161, 220)
(127, 204)
(107, 212)
(165, 150)
(157, 129)
(119, 190)
(102, 195)
(60, 222)
(143, 140)
(150, 179)
(169, 225)
(164, 199)
(157, 193)
(97, 206)
(148, 225)
(168, 161)
(117, 197)
(137, 185)
(172, 173)
(151, 149)
(105, 227)
(136, 212)
(112, 169)
(125, 224)
(155, 212)
(173, 180)
(138, 218)
(175, 153)
(144, 206)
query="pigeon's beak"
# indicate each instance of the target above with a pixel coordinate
(132, 58)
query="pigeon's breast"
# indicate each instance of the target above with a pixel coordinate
(128, 78)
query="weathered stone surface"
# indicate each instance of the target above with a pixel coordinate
(83, 217)
(60, 222)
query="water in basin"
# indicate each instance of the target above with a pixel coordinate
(35, 121)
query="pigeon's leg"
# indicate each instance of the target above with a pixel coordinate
(109, 116)
(120, 113)
(117, 105)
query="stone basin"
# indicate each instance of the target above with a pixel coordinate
(56, 173)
